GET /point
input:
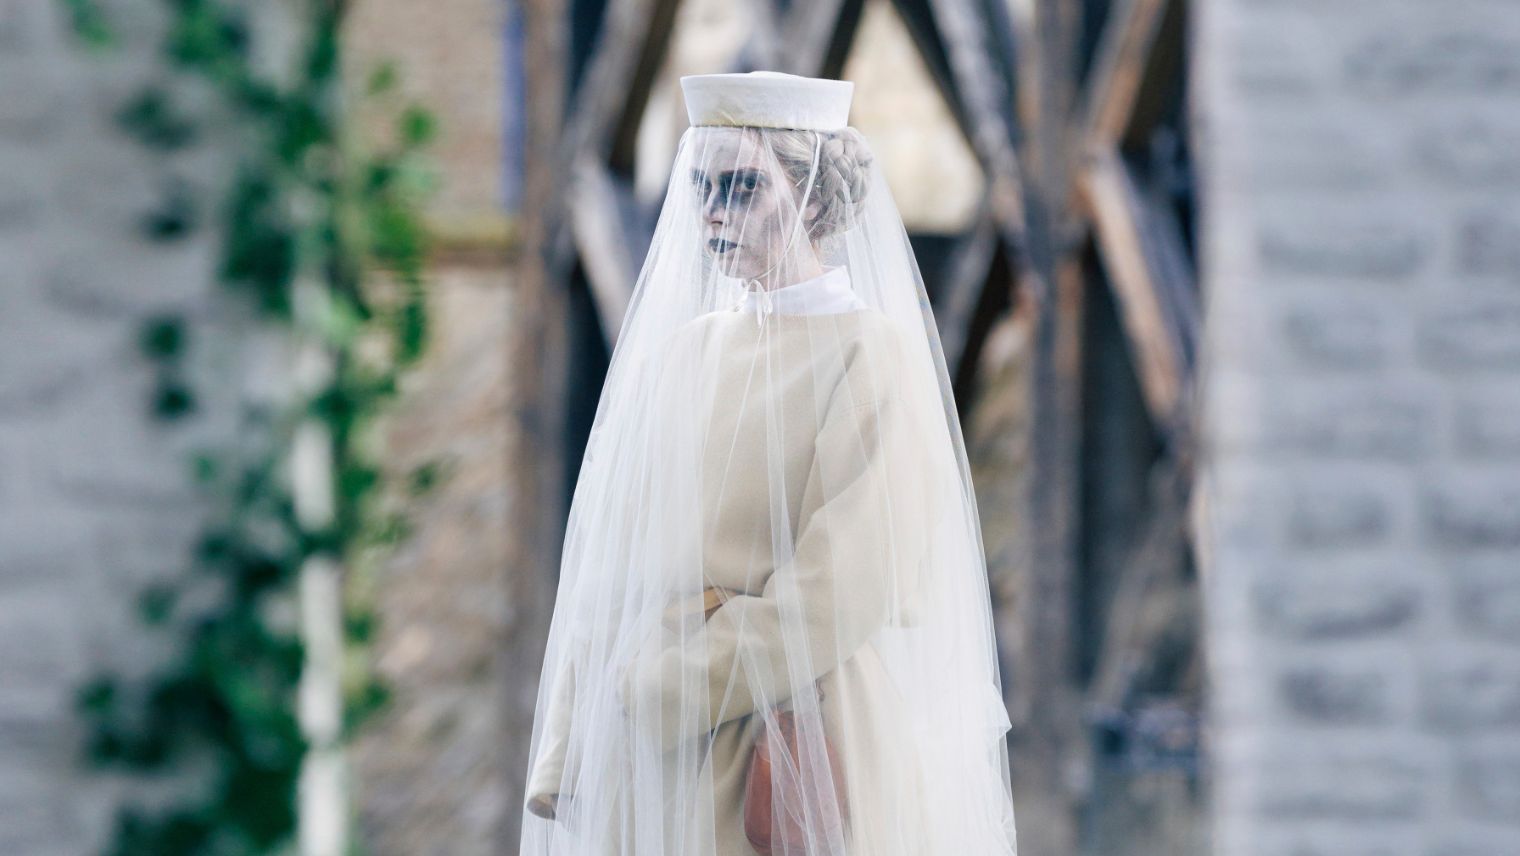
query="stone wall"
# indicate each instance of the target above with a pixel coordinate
(1360, 159)
(95, 496)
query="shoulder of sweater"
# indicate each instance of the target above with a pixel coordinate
(688, 334)
(866, 332)
(881, 341)
(875, 362)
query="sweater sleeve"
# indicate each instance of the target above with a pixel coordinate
(854, 559)
(547, 777)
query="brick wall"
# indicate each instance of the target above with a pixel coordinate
(433, 773)
(1359, 158)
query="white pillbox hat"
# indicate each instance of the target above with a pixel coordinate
(767, 99)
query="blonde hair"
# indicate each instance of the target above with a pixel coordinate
(843, 176)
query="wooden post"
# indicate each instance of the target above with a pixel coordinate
(1050, 768)
(536, 398)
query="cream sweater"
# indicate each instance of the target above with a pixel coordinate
(858, 496)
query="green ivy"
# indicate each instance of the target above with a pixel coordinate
(304, 202)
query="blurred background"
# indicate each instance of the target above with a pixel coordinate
(307, 305)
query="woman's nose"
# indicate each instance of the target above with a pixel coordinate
(713, 206)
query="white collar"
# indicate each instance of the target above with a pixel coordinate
(825, 294)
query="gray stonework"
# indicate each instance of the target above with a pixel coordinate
(1361, 498)
(96, 497)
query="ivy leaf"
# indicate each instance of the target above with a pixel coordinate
(411, 331)
(97, 697)
(163, 337)
(172, 400)
(260, 249)
(383, 79)
(360, 627)
(302, 127)
(339, 320)
(155, 604)
(215, 547)
(361, 703)
(427, 477)
(417, 127)
(173, 218)
(152, 118)
(392, 531)
(204, 468)
(207, 37)
(356, 480)
(89, 23)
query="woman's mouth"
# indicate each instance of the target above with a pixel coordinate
(719, 245)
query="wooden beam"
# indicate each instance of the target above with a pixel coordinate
(536, 403)
(1162, 83)
(1177, 278)
(817, 36)
(640, 81)
(919, 20)
(989, 121)
(1119, 69)
(623, 52)
(764, 46)
(605, 111)
(1137, 614)
(602, 242)
(1052, 742)
(1112, 205)
(962, 291)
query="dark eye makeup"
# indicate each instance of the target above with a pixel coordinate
(735, 186)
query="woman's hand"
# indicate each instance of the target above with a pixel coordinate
(558, 807)
(544, 805)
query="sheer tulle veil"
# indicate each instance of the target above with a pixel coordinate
(773, 525)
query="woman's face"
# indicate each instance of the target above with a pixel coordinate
(746, 204)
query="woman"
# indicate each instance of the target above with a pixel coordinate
(773, 630)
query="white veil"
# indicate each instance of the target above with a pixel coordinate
(773, 534)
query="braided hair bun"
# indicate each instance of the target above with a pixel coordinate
(843, 178)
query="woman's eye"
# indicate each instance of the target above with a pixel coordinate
(742, 189)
